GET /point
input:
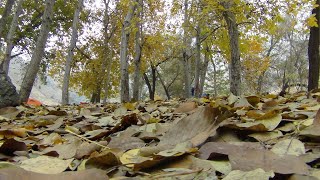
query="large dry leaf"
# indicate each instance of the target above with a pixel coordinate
(261, 124)
(314, 130)
(195, 128)
(45, 165)
(248, 157)
(66, 150)
(19, 173)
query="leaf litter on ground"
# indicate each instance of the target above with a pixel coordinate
(252, 137)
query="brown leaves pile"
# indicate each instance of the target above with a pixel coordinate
(254, 137)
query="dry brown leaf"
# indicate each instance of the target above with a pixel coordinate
(85, 150)
(11, 145)
(103, 160)
(186, 107)
(195, 128)
(45, 165)
(19, 173)
(67, 150)
(9, 112)
(248, 157)
(126, 143)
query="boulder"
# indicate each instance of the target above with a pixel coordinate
(8, 93)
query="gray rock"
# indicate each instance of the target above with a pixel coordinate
(8, 93)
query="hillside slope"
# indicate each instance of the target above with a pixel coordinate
(48, 93)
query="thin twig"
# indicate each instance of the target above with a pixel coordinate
(86, 139)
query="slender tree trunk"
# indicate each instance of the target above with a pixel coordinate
(204, 69)
(197, 84)
(235, 64)
(164, 86)
(74, 38)
(214, 77)
(4, 19)
(108, 45)
(137, 58)
(154, 79)
(197, 88)
(108, 76)
(38, 52)
(146, 79)
(124, 74)
(10, 35)
(313, 52)
(151, 87)
(186, 57)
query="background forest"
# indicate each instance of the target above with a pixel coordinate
(161, 48)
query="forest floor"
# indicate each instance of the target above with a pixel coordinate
(254, 137)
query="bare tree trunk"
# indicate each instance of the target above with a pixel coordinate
(204, 69)
(4, 18)
(38, 52)
(151, 87)
(137, 58)
(74, 38)
(124, 74)
(197, 86)
(164, 86)
(198, 64)
(313, 52)
(186, 57)
(108, 76)
(108, 45)
(10, 35)
(235, 64)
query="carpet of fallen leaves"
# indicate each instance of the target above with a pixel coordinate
(253, 137)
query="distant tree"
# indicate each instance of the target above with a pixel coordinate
(74, 38)
(10, 36)
(124, 73)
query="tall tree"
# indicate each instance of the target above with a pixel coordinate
(10, 35)
(125, 33)
(4, 18)
(38, 52)
(313, 51)
(137, 58)
(197, 86)
(235, 64)
(8, 93)
(186, 51)
(74, 37)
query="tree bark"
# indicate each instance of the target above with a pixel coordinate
(197, 86)
(235, 64)
(37, 55)
(124, 74)
(74, 38)
(4, 18)
(164, 86)
(185, 54)
(151, 87)
(204, 69)
(10, 35)
(313, 52)
(137, 58)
